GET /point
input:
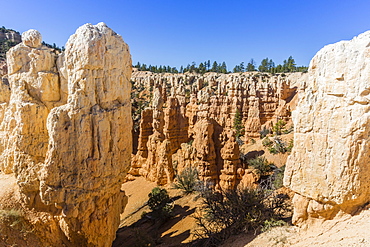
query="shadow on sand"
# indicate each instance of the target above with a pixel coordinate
(148, 232)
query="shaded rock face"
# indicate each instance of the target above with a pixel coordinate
(195, 116)
(329, 165)
(66, 131)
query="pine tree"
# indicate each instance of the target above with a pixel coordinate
(193, 67)
(271, 65)
(264, 65)
(291, 66)
(143, 67)
(242, 68)
(202, 68)
(279, 69)
(238, 126)
(236, 69)
(214, 67)
(223, 68)
(251, 66)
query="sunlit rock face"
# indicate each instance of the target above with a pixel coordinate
(329, 165)
(66, 131)
(190, 121)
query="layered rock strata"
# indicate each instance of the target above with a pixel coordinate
(329, 165)
(199, 114)
(66, 131)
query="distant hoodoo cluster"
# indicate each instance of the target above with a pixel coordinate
(191, 121)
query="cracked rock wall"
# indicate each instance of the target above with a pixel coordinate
(329, 165)
(67, 130)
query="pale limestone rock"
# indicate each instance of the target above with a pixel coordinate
(92, 130)
(35, 89)
(329, 165)
(66, 132)
(32, 38)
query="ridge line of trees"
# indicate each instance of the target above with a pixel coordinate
(267, 65)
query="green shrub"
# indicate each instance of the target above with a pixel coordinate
(187, 180)
(261, 164)
(264, 132)
(160, 204)
(290, 146)
(226, 213)
(190, 143)
(278, 127)
(279, 146)
(266, 142)
(238, 126)
(270, 223)
(278, 177)
(273, 150)
(289, 130)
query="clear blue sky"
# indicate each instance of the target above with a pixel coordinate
(173, 32)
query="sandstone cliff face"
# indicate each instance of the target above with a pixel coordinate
(66, 131)
(196, 119)
(329, 165)
(8, 38)
(10, 35)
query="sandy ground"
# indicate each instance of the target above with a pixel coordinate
(137, 192)
(341, 232)
(137, 231)
(9, 198)
(278, 159)
(345, 231)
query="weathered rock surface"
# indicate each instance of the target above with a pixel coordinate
(11, 35)
(191, 121)
(66, 131)
(329, 165)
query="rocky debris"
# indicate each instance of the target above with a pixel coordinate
(66, 132)
(329, 165)
(196, 116)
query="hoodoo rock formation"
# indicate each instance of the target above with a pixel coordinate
(66, 132)
(329, 165)
(196, 120)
